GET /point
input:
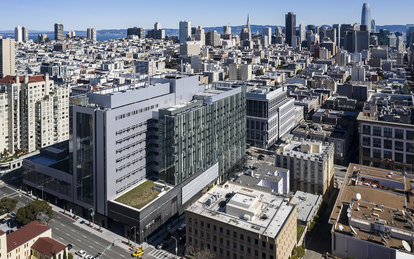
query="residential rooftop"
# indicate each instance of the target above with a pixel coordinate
(375, 205)
(307, 204)
(306, 149)
(247, 208)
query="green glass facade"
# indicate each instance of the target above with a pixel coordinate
(200, 134)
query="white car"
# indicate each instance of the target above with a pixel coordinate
(89, 257)
(81, 253)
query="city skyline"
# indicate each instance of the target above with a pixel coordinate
(133, 13)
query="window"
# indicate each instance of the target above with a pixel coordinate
(221, 230)
(234, 234)
(399, 133)
(234, 245)
(366, 141)
(398, 145)
(409, 147)
(409, 158)
(263, 244)
(376, 153)
(376, 131)
(249, 250)
(377, 142)
(387, 154)
(388, 132)
(249, 239)
(271, 246)
(387, 144)
(366, 152)
(410, 135)
(366, 129)
(256, 242)
(241, 237)
(398, 157)
(208, 225)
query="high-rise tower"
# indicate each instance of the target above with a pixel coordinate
(59, 31)
(248, 27)
(290, 29)
(366, 16)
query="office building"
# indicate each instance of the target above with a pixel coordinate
(290, 27)
(38, 113)
(157, 33)
(91, 34)
(25, 34)
(71, 34)
(338, 34)
(302, 32)
(140, 32)
(226, 30)
(310, 165)
(241, 72)
(185, 31)
(270, 115)
(213, 39)
(372, 215)
(199, 35)
(366, 16)
(235, 221)
(307, 205)
(190, 48)
(7, 57)
(59, 34)
(410, 35)
(268, 33)
(42, 37)
(386, 132)
(18, 34)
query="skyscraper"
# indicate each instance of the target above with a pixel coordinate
(366, 16)
(410, 35)
(248, 27)
(290, 28)
(267, 32)
(25, 34)
(18, 34)
(91, 34)
(302, 32)
(7, 57)
(185, 31)
(59, 31)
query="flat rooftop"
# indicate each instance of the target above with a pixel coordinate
(306, 149)
(143, 194)
(250, 209)
(375, 205)
(307, 204)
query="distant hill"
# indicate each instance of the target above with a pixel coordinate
(121, 33)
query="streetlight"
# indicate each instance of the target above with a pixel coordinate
(99, 255)
(176, 246)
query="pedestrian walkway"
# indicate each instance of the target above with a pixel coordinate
(160, 254)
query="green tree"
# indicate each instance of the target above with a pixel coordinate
(70, 256)
(7, 205)
(36, 210)
(64, 254)
(348, 78)
(259, 72)
(54, 255)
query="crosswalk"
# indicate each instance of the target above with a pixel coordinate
(160, 254)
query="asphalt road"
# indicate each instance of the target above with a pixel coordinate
(66, 232)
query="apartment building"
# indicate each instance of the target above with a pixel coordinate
(35, 113)
(270, 115)
(386, 132)
(235, 221)
(7, 57)
(310, 165)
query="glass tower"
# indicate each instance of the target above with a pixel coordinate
(366, 16)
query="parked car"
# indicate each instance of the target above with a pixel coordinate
(81, 253)
(181, 228)
(137, 253)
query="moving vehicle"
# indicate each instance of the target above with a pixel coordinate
(137, 253)
(81, 253)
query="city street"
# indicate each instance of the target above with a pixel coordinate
(66, 232)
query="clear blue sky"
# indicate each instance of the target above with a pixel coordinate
(110, 14)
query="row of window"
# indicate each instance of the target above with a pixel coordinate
(128, 114)
(130, 174)
(388, 144)
(122, 131)
(129, 155)
(220, 251)
(123, 188)
(398, 157)
(120, 141)
(130, 163)
(387, 132)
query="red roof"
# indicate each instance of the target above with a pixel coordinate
(47, 246)
(25, 234)
(12, 79)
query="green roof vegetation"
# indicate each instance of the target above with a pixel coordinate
(140, 195)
